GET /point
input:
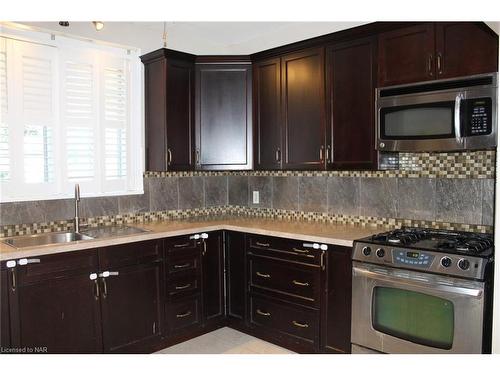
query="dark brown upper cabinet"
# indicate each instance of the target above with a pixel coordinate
(303, 109)
(465, 48)
(267, 114)
(435, 51)
(351, 70)
(223, 116)
(169, 110)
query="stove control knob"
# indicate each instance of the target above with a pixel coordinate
(463, 264)
(446, 262)
(367, 251)
(380, 252)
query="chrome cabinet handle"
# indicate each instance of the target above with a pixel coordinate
(263, 313)
(429, 64)
(264, 275)
(300, 283)
(261, 244)
(439, 63)
(458, 135)
(321, 152)
(300, 325)
(182, 265)
(182, 245)
(25, 261)
(278, 155)
(169, 158)
(13, 281)
(300, 251)
(96, 289)
(182, 286)
(197, 160)
(322, 260)
(328, 153)
(104, 288)
(187, 313)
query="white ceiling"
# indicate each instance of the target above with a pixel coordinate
(202, 38)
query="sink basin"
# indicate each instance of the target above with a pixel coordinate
(46, 239)
(113, 231)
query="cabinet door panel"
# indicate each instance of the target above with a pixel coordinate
(224, 116)
(351, 97)
(465, 48)
(59, 314)
(213, 277)
(267, 97)
(4, 309)
(406, 55)
(131, 307)
(180, 115)
(235, 275)
(303, 109)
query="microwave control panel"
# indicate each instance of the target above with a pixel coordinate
(478, 116)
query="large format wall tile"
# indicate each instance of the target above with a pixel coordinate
(238, 190)
(379, 197)
(191, 193)
(59, 209)
(417, 198)
(459, 200)
(215, 191)
(343, 195)
(22, 212)
(488, 201)
(163, 193)
(286, 193)
(98, 206)
(264, 185)
(313, 194)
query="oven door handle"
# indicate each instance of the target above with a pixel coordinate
(458, 131)
(460, 290)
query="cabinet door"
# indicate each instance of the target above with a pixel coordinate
(180, 115)
(235, 276)
(223, 116)
(336, 310)
(4, 309)
(351, 97)
(465, 48)
(155, 109)
(406, 55)
(132, 308)
(303, 107)
(267, 106)
(59, 315)
(213, 277)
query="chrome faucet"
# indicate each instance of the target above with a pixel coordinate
(77, 208)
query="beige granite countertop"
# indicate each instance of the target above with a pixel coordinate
(335, 234)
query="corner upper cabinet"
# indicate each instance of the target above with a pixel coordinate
(223, 116)
(169, 110)
(303, 109)
(351, 71)
(267, 114)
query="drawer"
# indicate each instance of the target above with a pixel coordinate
(283, 248)
(181, 245)
(58, 265)
(183, 314)
(130, 254)
(183, 285)
(182, 265)
(294, 321)
(298, 283)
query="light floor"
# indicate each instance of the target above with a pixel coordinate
(225, 341)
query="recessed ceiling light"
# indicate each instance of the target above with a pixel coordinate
(99, 25)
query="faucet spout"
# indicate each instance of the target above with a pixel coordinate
(77, 208)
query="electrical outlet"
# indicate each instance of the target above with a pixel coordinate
(255, 197)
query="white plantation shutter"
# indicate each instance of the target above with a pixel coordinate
(70, 113)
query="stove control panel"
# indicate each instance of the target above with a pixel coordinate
(427, 261)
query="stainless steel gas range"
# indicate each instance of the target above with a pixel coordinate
(422, 291)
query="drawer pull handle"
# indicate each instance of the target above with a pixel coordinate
(177, 287)
(184, 314)
(264, 275)
(182, 245)
(300, 325)
(263, 313)
(300, 283)
(262, 244)
(300, 251)
(182, 265)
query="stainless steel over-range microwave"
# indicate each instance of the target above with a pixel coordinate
(443, 115)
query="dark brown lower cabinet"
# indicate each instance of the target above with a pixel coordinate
(235, 277)
(213, 278)
(132, 309)
(4, 309)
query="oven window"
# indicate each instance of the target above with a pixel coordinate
(427, 121)
(413, 316)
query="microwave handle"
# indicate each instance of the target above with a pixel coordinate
(458, 131)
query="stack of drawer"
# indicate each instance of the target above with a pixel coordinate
(183, 276)
(285, 284)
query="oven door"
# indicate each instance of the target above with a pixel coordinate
(400, 311)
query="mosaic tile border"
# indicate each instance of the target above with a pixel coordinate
(383, 223)
(470, 164)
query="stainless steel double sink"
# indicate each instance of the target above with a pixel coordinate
(68, 237)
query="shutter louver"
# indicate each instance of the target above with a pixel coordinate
(4, 129)
(116, 153)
